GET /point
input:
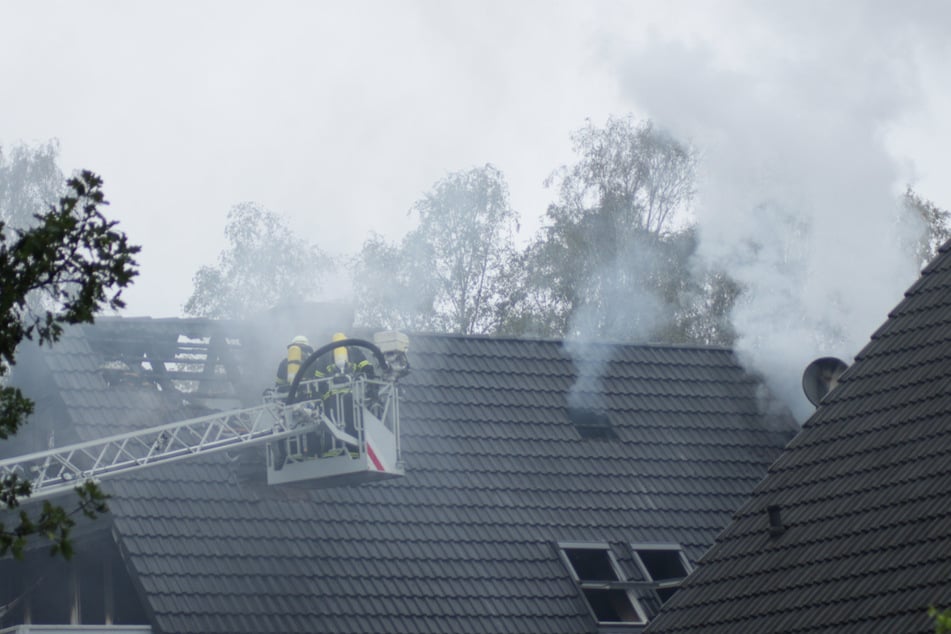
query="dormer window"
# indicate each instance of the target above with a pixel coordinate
(663, 564)
(595, 570)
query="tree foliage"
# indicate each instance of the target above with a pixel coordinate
(391, 289)
(936, 223)
(29, 179)
(73, 257)
(631, 178)
(451, 273)
(941, 619)
(265, 264)
(615, 257)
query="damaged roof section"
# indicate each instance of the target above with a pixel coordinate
(496, 477)
(203, 361)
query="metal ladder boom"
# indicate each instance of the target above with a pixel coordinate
(61, 469)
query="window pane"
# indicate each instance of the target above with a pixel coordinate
(663, 564)
(595, 566)
(612, 606)
(591, 564)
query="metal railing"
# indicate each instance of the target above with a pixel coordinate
(61, 469)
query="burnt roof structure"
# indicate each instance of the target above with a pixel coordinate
(512, 495)
(860, 501)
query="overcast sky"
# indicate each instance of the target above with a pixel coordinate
(340, 115)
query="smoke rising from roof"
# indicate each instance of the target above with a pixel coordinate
(799, 195)
(628, 312)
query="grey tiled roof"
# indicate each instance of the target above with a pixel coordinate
(865, 494)
(496, 475)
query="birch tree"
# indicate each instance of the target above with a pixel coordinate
(615, 255)
(450, 273)
(265, 264)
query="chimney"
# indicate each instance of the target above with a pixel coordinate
(776, 527)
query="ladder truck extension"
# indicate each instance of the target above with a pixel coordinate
(372, 453)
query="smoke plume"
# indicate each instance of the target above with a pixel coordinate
(798, 198)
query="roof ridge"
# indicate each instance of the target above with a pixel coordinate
(563, 341)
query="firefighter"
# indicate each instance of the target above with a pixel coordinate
(297, 352)
(340, 367)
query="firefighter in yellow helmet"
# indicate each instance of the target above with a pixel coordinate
(297, 352)
(341, 366)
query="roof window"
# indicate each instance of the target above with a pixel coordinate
(596, 572)
(664, 564)
(591, 424)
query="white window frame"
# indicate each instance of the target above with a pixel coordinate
(661, 584)
(604, 584)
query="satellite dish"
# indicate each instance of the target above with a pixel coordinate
(820, 377)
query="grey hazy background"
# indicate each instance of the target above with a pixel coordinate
(811, 118)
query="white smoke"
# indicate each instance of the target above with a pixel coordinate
(628, 314)
(799, 195)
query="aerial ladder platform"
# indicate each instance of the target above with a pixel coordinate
(322, 432)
